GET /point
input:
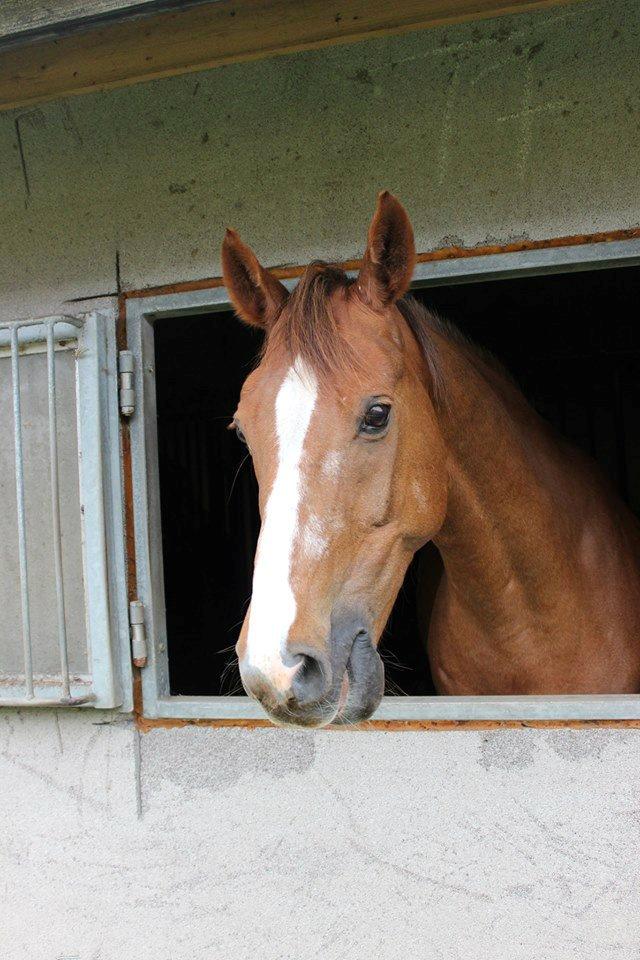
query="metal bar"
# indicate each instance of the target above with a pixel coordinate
(55, 510)
(559, 707)
(40, 322)
(93, 458)
(35, 347)
(546, 260)
(22, 534)
(63, 702)
(18, 337)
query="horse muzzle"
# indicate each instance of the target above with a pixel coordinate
(343, 686)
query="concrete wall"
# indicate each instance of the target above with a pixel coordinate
(208, 844)
(202, 843)
(525, 126)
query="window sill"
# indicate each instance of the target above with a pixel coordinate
(410, 709)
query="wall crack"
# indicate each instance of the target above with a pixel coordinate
(23, 162)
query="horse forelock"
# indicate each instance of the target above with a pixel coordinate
(307, 325)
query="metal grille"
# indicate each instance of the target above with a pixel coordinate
(21, 334)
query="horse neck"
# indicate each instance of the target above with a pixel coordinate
(506, 524)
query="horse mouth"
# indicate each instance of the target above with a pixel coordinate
(356, 691)
(362, 685)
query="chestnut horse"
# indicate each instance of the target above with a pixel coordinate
(374, 428)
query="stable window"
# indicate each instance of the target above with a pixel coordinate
(63, 635)
(562, 325)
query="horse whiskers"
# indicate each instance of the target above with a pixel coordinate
(233, 659)
(394, 689)
(229, 681)
(240, 466)
(228, 649)
(227, 675)
(388, 656)
(230, 665)
(238, 623)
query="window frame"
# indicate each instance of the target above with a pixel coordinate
(142, 311)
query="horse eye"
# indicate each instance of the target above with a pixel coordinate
(376, 418)
(240, 435)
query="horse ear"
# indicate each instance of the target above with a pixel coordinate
(390, 257)
(255, 294)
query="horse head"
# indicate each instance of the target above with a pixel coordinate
(340, 423)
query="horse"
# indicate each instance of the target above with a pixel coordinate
(375, 428)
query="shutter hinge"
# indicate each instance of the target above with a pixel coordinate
(138, 634)
(127, 390)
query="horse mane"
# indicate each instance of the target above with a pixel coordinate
(307, 327)
(423, 322)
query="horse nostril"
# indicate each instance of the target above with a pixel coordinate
(311, 680)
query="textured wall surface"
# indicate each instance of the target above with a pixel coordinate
(526, 126)
(199, 844)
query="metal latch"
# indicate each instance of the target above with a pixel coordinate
(127, 390)
(138, 635)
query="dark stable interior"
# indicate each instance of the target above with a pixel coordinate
(570, 340)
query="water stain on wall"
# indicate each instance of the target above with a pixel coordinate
(216, 760)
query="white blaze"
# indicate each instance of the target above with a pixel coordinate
(273, 604)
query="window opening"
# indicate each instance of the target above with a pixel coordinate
(570, 342)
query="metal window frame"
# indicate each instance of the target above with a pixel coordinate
(141, 314)
(108, 683)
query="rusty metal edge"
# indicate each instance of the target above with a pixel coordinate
(146, 724)
(290, 271)
(129, 530)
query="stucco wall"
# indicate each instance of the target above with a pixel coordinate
(521, 126)
(201, 843)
